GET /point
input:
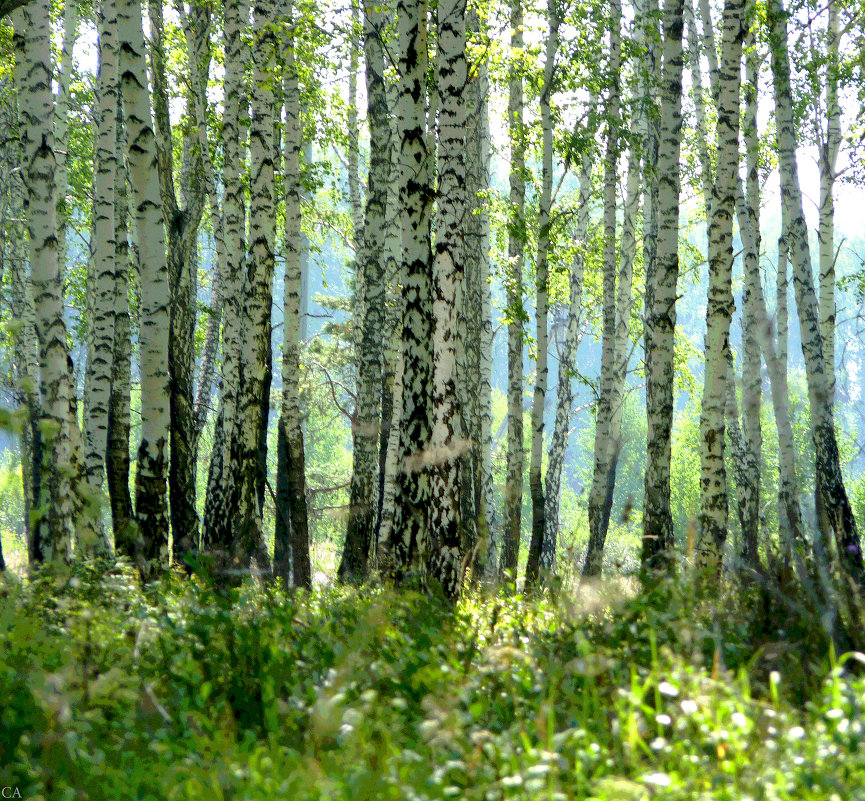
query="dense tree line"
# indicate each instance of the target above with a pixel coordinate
(540, 158)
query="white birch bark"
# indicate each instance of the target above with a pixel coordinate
(25, 345)
(513, 501)
(648, 17)
(474, 513)
(248, 538)
(829, 146)
(411, 505)
(369, 311)
(61, 498)
(195, 31)
(61, 127)
(291, 468)
(598, 514)
(489, 534)
(567, 356)
(119, 411)
(101, 356)
(660, 320)
(624, 308)
(444, 555)
(151, 500)
(835, 500)
(752, 380)
(391, 468)
(746, 438)
(392, 382)
(216, 530)
(713, 480)
(355, 202)
(536, 485)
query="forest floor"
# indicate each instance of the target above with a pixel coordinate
(180, 692)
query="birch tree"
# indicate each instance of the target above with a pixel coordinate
(478, 308)
(182, 215)
(368, 411)
(536, 485)
(660, 320)
(254, 359)
(291, 456)
(443, 563)
(62, 106)
(746, 438)
(829, 145)
(752, 384)
(598, 514)
(151, 502)
(411, 503)
(567, 354)
(25, 345)
(513, 500)
(117, 461)
(827, 461)
(713, 481)
(101, 356)
(61, 474)
(218, 509)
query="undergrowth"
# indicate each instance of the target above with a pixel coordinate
(180, 692)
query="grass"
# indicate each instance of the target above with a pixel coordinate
(178, 692)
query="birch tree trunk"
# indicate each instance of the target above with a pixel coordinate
(219, 503)
(752, 383)
(830, 144)
(62, 464)
(196, 26)
(648, 17)
(151, 500)
(479, 312)
(782, 290)
(513, 501)
(834, 494)
(256, 294)
(391, 466)
(790, 515)
(100, 359)
(61, 129)
(599, 515)
(411, 504)
(354, 194)
(536, 485)
(117, 459)
(790, 518)
(476, 255)
(366, 426)
(713, 479)
(182, 216)
(391, 406)
(624, 304)
(564, 391)
(660, 318)
(291, 456)
(747, 438)
(445, 547)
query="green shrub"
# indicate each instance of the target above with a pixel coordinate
(179, 692)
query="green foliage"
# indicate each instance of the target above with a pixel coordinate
(12, 511)
(183, 693)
